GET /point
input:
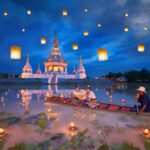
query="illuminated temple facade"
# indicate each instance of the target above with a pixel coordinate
(55, 67)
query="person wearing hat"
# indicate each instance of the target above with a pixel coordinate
(143, 99)
(89, 94)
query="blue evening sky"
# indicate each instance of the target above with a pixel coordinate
(46, 20)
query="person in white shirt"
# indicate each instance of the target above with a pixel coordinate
(89, 94)
(76, 92)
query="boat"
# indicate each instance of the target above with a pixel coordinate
(97, 105)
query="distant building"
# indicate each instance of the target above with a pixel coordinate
(55, 67)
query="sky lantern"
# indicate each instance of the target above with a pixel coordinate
(23, 30)
(75, 46)
(102, 54)
(86, 33)
(145, 28)
(99, 25)
(15, 52)
(126, 29)
(65, 12)
(29, 12)
(141, 47)
(86, 10)
(126, 14)
(43, 40)
(5, 13)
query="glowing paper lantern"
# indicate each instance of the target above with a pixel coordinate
(86, 33)
(29, 12)
(126, 14)
(141, 47)
(99, 25)
(102, 54)
(43, 40)
(23, 30)
(86, 10)
(145, 28)
(65, 12)
(15, 52)
(75, 46)
(5, 13)
(126, 29)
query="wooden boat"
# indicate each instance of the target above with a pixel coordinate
(85, 104)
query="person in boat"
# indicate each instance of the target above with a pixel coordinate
(76, 92)
(89, 94)
(143, 99)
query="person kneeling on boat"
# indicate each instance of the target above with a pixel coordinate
(76, 92)
(143, 99)
(89, 95)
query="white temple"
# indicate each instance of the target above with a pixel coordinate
(55, 67)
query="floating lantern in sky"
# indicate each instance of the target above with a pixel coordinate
(5, 13)
(126, 14)
(23, 30)
(65, 12)
(141, 47)
(86, 10)
(102, 54)
(99, 25)
(29, 12)
(126, 29)
(86, 33)
(145, 28)
(15, 52)
(75, 46)
(43, 40)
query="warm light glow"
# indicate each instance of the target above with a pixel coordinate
(49, 110)
(126, 29)
(86, 33)
(146, 131)
(102, 54)
(141, 48)
(55, 68)
(15, 52)
(126, 14)
(75, 46)
(5, 13)
(65, 12)
(145, 28)
(29, 12)
(72, 125)
(2, 131)
(43, 40)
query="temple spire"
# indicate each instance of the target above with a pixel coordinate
(80, 60)
(27, 61)
(56, 41)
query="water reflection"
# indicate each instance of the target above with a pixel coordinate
(33, 98)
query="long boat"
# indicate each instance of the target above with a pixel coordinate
(97, 106)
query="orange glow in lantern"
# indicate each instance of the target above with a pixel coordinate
(2, 132)
(5, 13)
(102, 54)
(146, 132)
(86, 33)
(75, 46)
(43, 40)
(141, 48)
(126, 29)
(15, 52)
(29, 12)
(65, 12)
